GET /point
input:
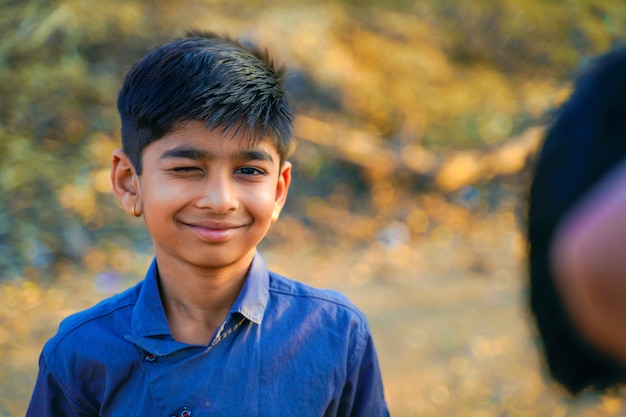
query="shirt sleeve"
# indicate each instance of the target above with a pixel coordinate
(363, 395)
(51, 399)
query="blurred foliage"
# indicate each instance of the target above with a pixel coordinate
(394, 98)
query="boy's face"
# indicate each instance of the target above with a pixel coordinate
(209, 199)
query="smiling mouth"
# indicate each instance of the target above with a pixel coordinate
(214, 231)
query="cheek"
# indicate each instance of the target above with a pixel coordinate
(158, 198)
(261, 203)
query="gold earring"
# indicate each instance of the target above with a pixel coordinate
(135, 212)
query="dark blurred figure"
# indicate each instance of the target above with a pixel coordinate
(577, 231)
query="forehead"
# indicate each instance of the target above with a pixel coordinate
(194, 135)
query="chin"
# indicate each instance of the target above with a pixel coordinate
(220, 261)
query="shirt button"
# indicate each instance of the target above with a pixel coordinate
(184, 412)
(150, 357)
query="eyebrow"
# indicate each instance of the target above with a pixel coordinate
(185, 152)
(190, 152)
(254, 155)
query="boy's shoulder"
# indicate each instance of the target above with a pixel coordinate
(322, 298)
(112, 312)
(322, 314)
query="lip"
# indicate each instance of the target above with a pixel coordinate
(214, 231)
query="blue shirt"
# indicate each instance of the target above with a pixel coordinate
(285, 349)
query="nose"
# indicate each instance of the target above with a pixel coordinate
(218, 193)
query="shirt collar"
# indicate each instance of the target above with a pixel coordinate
(254, 294)
(149, 316)
(150, 329)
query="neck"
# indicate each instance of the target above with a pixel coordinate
(197, 301)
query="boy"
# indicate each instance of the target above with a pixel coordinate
(210, 331)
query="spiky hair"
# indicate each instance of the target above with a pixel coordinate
(209, 78)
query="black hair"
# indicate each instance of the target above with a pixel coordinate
(586, 140)
(209, 78)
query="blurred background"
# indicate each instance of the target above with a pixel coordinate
(417, 124)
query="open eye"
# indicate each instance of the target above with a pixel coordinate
(249, 171)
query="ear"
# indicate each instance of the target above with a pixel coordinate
(125, 183)
(282, 188)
